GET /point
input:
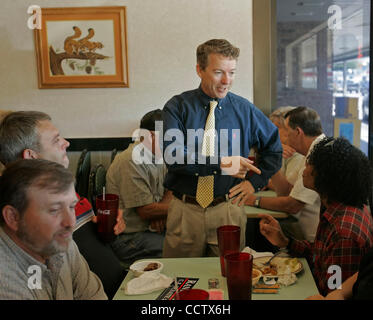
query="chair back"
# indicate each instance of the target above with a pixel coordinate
(82, 173)
(113, 154)
(100, 179)
(97, 181)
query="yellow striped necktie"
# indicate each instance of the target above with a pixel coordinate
(205, 186)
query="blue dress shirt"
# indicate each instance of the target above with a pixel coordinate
(240, 126)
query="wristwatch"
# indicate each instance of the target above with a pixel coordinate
(257, 202)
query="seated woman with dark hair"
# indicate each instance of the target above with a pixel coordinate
(341, 174)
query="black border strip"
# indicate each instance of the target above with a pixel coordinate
(370, 137)
(98, 144)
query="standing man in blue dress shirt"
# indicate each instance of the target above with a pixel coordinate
(240, 126)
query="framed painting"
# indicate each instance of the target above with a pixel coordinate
(82, 47)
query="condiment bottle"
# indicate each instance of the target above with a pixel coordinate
(215, 293)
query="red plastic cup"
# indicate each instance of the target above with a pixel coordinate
(107, 211)
(192, 294)
(228, 242)
(239, 274)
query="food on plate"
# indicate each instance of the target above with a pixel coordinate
(255, 273)
(270, 270)
(292, 262)
(285, 265)
(151, 266)
(278, 266)
(287, 279)
(255, 276)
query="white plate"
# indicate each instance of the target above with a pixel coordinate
(278, 261)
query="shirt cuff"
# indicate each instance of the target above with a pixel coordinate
(290, 243)
(256, 181)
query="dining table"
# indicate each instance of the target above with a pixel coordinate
(206, 268)
(253, 237)
(252, 212)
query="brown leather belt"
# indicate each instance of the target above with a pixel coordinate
(192, 200)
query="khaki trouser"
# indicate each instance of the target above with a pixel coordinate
(191, 230)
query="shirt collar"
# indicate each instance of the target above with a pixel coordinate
(148, 155)
(314, 142)
(329, 213)
(206, 99)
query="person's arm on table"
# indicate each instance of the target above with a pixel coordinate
(339, 294)
(280, 184)
(284, 204)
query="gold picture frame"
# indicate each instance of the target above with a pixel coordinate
(82, 47)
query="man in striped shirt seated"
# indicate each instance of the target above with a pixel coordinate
(32, 135)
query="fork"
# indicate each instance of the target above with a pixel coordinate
(274, 256)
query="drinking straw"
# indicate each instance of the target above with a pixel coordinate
(103, 193)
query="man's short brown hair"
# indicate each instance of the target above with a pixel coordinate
(23, 174)
(305, 118)
(218, 46)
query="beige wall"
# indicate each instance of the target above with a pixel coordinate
(264, 54)
(162, 38)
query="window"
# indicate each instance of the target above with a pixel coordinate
(323, 62)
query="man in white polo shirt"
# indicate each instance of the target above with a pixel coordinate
(304, 132)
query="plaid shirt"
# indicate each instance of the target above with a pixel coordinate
(344, 235)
